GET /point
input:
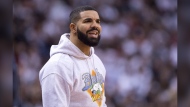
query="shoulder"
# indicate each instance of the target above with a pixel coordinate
(60, 61)
(61, 58)
(58, 64)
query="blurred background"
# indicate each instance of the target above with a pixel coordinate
(138, 48)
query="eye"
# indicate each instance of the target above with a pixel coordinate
(98, 21)
(87, 20)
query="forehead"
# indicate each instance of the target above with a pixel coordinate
(89, 14)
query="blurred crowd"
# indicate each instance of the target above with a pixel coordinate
(183, 54)
(138, 48)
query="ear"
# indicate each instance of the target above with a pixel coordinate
(72, 28)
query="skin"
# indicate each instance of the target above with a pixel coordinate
(88, 20)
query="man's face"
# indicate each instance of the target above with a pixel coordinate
(88, 28)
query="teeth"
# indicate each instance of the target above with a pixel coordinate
(93, 32)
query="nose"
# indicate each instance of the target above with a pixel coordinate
(96, 25)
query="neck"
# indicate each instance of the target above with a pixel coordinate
(84, 48)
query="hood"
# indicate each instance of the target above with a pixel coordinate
(65, 46)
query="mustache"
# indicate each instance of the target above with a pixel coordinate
(93, 28)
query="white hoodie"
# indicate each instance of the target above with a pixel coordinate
(72, 79)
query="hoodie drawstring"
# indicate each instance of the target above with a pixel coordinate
(90, 69)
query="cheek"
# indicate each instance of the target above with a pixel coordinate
(83, 29)
(100, 28)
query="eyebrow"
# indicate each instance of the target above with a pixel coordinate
(90, 19)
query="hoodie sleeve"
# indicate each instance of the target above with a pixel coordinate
(56, 83)
(55, 91)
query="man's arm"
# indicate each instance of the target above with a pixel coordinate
(55, 91)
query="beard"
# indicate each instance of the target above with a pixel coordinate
(88, 40)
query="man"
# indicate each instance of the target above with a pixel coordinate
(74, 76)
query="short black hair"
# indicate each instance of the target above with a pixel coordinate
(75, 14)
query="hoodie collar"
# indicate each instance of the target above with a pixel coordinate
(65, 46)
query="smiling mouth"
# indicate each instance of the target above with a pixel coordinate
(93, 33)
